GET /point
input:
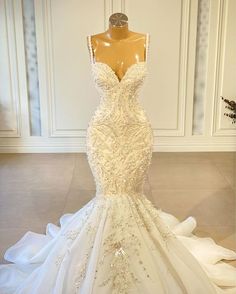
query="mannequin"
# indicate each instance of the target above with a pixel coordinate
(118, 47)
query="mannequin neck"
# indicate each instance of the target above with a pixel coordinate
(118, 33)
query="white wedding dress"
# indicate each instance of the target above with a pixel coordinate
(118, 242)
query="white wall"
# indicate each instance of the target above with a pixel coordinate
(67, 94)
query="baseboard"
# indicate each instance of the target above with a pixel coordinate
(161, 144)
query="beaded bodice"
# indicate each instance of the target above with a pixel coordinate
(119, 136)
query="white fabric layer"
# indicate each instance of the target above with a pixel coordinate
(118, 244)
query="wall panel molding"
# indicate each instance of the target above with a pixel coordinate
(184, 72)
(46, 50)
(13, 100)
(184, 17)
(225, 67)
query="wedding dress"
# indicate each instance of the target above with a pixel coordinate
(118, 242)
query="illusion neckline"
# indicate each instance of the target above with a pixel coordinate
(144, 62)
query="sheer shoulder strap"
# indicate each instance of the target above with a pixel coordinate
(147, 46)
(89, 43)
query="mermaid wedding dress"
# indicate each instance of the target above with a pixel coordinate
(118, 242)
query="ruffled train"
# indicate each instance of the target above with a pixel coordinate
(118, 244)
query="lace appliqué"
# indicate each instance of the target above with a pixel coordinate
(119, 246)
(91, 229)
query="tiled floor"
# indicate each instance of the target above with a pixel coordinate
(36, 189)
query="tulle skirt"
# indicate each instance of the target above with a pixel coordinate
(118, 244)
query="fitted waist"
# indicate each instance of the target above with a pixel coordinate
(120, 121)
(116, 195)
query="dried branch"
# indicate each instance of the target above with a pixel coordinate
(231, 105)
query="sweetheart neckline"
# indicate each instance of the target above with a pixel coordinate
(114, 73)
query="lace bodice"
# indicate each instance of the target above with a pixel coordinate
(119, 102)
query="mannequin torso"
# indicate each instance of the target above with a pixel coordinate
(119, 48)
